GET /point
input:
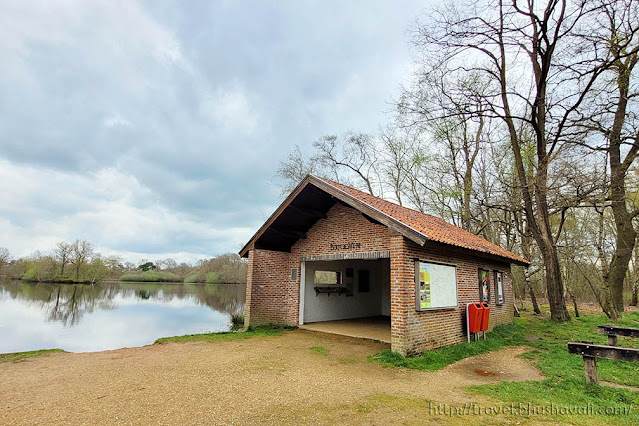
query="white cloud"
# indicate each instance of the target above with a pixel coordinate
(109, 208)
(232, 107)
(116, 120)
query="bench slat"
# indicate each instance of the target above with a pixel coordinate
(613, 330)
(603, 351)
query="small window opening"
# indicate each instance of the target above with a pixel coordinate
(328, 277)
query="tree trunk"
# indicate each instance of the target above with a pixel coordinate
(634, 278)
(537, 219)
(625, 241)
(626, 234)
(554, 285)
(533, 298)
(574, 304)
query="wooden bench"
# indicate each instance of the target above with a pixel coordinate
(613, 331)
(590, 352)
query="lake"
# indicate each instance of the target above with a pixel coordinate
(87, 318)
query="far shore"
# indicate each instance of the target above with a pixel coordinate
(107, 281)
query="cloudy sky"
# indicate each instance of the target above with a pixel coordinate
(154, 128)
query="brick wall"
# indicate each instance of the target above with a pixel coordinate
(414, 331)
(273, 297)
(267, 288)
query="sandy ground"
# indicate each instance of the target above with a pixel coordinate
(267, 380)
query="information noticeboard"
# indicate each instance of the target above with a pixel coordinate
(435, 286)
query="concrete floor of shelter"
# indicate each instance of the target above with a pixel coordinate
(374, 328)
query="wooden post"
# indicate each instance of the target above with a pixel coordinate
(590, 367)
(590, 352)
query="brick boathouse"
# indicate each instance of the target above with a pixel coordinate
(332, 256)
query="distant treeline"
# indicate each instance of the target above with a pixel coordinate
(225, 268)
(77, 262)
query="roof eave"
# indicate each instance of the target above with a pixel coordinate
(251, 243)
(381, 217)
(484, 254)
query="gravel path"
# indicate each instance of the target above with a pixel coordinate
(269, 380)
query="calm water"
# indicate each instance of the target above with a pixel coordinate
(84, 318)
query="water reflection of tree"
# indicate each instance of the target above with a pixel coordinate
(67, 303)
(143, 294)
(220, 297)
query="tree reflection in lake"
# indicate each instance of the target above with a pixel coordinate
(157, 309)
(66, 303)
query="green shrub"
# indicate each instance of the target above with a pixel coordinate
(192, 278)
(31, 274)
(237, 320)
(212, 278)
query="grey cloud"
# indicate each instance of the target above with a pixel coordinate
(191, 105)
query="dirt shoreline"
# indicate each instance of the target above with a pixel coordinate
(270, 380)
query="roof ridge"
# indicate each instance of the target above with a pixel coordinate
(380, 198)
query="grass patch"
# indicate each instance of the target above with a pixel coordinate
(565, 384)
(151, 276)
(571, 392)
(347, 360)
(320, 350)
(19, 356)
(264, 331)
(501, 336)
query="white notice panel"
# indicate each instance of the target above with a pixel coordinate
(436, 286)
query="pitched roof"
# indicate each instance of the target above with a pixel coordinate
(432, 227)
(414, 225)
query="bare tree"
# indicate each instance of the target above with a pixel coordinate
(397, 145)
(5, 256)
(63, 252)
(354, 157)
(453, 110)
(295, 168)
(541, 70)
(615, 117)
(81, 253)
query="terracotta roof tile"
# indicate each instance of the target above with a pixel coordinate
(433, 228)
